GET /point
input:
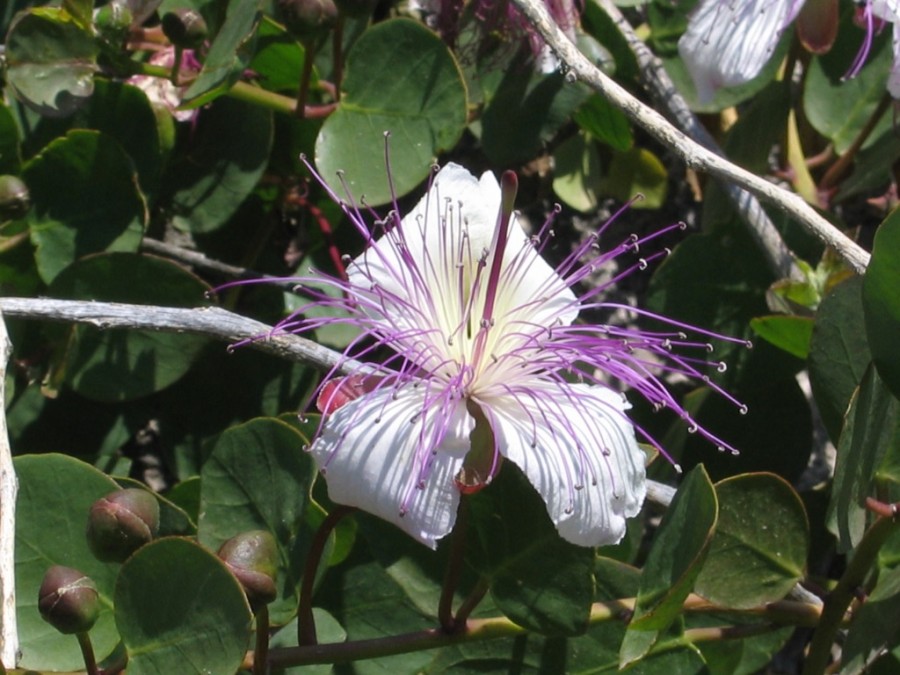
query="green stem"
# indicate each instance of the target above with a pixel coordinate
(176, 66)
(309, 57)
(87, 653)
(471, 602)
(839, 599)
(785, 612)
(306, 623)
(713, 634)
(337, 43)
(453, 571)
(261, 653)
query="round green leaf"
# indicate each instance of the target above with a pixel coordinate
(758, 552)
(125, 365)
(229, 153)
(258, 477)
(97, 207)
(400, 78)
(55, 494)
(124, 112)
(881, 301)
(51, 61)
(179, 610)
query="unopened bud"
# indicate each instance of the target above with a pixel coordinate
(15, 199)
(185, 28)
(68, 600)
(113, 21)
(253, 559)
(308, 19)
(121, 522)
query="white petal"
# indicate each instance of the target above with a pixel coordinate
(894, 78)
(889, 10)
(419, 279)
(729, 41)
(373, 458)
(585, 463)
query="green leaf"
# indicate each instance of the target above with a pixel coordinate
(51, 61)
(258, 477)
(577, 173)
(186, 496)
(228, 55)
(229, 152)
(837, 106)
(536, 578)
(790, 333)
(637, 172)
(881, 302)
(605, 122)
(751, 563)
(55, 495)
(539, 105)
(875, 629)
(838, 353)
(125, 365)
(328, 631)
(124, 112)
(673, 564)
(872, 427)
(279, 58)
(179, 610)
(96, 208)
(368, 604)
(10, 156)
(400, 78)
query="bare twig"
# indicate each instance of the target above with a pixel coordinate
(212, 322)
(9, 486)
(694, 155)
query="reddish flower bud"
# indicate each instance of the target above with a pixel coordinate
(121, 522)
(14, 198)
(253, 558)
(68, 600)
(308, 19)
(185, 28)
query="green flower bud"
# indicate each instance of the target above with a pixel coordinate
(113, 21)
(121, 522)
(68, 600)
(185, 28)
(253, 558)
(308, 19)
(15, 199)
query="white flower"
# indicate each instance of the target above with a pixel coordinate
(728, 42)
(487, 365)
